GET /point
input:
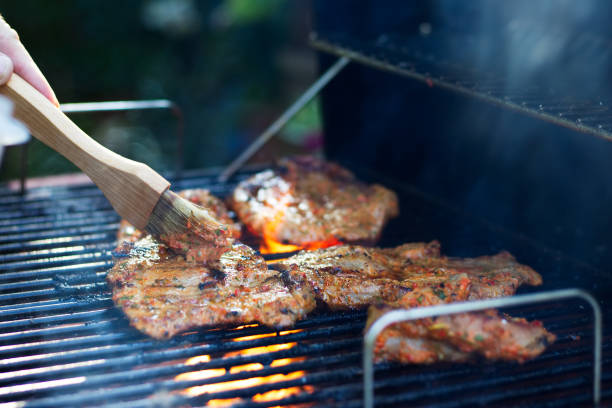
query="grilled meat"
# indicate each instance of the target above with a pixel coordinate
(490, 276)
(163, 293)
(350, 276)
(456, 338)
(199, 196)
(311, 203)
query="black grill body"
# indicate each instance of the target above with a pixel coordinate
(501, 110)
(62, 342)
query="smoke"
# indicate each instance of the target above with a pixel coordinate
(559, 45)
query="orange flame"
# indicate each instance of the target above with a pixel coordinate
(270, 246)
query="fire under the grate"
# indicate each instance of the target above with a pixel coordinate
(63, 343)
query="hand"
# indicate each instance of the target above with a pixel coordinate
(14, 57)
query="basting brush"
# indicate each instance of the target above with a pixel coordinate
(138, 193)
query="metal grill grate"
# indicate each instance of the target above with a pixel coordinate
(447, 61)
(62, 343)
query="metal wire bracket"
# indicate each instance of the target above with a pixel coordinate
(282, 120)
(396, 316)
(116, 106)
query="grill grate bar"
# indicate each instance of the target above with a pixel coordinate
(45, 244)
(43, 307)
(498, 394)
(147, 373)
(54, 319)
(52, 331)
(43, 224)
(103, 338)
(158, 353)
(137, 375)
(74, 268)
(40, 208)
(17, 258)
(59, 233)
(62, 344)
(355, 342)
(57, 219)
(48, 263)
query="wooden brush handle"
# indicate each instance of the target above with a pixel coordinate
(132, 188)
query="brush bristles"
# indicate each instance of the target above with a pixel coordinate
(175, 218)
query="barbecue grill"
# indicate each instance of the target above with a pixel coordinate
(63, 343)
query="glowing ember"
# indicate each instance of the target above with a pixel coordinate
(261, 336)
(223, 402)
(260, 350)
(286, 361)
(244, 326)
(246, 367)
(254, 337)
(240, 384)
(197, 360)
(200, 375)
(250, 367)
(282, 393)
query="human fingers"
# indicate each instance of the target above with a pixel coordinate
(23, 64)
(6, 68)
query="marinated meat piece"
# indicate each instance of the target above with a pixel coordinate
(351, 276)
(467, 336)
(162, 293)
(312, 203)
(456, 338)
(490, 276)
(201, 197)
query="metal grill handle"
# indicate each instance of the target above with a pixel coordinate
(397, 316)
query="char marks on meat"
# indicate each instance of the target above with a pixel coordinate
(351, 276)
(163, 294)
(312, 203)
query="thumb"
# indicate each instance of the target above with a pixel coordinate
(6, 68)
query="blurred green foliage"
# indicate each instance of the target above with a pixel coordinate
(232, 66)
